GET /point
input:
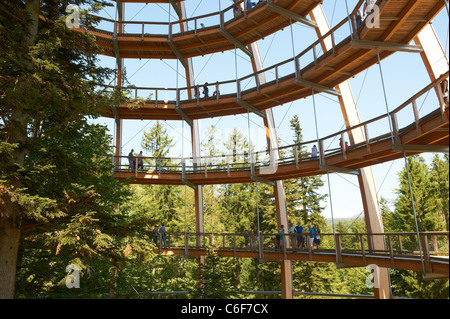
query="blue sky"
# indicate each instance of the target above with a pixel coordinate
(404, 75)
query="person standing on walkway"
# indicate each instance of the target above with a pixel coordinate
(317, 236)
(311, 236)
(155, 235)
(300, 237)
(162, 231)
(131, 160)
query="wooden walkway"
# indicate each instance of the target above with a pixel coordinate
(430, 133)
(187, 38)
(346, 250)
(296, 78)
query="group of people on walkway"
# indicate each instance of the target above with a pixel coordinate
(132, 160)
(157, 232)
(298, 236)
(205, 91)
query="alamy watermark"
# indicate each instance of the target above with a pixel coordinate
(73, 19)
(373, 280)
(73, 276)
(373, 16)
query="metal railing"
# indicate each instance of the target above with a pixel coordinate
(213, 20)
(435, 245)
(289, 68)
(294, 153)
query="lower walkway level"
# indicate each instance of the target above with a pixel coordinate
(403, 251)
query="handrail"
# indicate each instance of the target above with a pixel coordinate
(220, 13)
(296, 60)
(400, 247)
(252, 158)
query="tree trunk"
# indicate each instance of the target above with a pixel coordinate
(9, 209)
(9, 245)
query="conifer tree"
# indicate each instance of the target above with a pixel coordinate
(158, 143)
(55, 178)
(302, 196)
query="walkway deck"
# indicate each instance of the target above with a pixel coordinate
(175, 42)
(401, 249)
(428, 133)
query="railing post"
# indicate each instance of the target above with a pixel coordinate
(416, 116)
(400, 244)
(276, 76)
(217, 92)
(197, 94)
(322, 160)
(391, 250)
(333, 43)
(308, 242)
(296, 156)
(186, 245)
(366, 133)
(183, 169)
(425, 252)
(344, 154)
(315, 56)
(435, 244)
(234, 245)
(337, 240)
(257, 82)
(363, 249)
(238, 84)
(297, 68)
(261, 246)
(222, 20)
(395, 128)
(440, 95)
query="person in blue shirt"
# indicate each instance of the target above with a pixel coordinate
(312, 232)
(300, 237)
(162, 231)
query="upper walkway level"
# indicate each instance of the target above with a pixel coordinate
(295, 78)
(210, 33)
(403, 251)
(413, 132)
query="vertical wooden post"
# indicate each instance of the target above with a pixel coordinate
(363, 249)
(280, 196)
(369, 197)
(433, 55)
(338, 249)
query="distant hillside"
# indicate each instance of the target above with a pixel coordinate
(346, 220)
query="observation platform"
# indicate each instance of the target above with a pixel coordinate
(427, 133)
(295, 78)
(346, 250)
